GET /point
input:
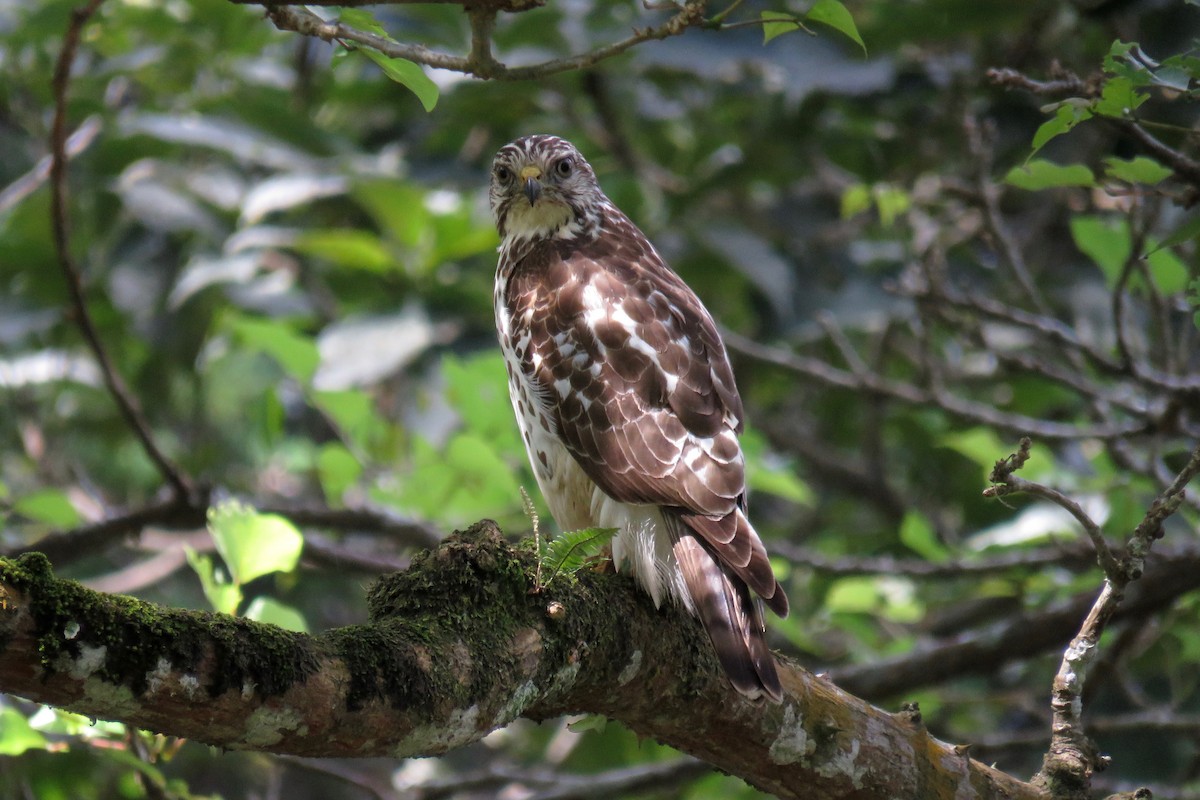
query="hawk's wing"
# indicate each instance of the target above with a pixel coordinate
(628, 364)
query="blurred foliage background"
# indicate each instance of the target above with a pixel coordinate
(290, 261)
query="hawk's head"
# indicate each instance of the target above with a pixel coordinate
(542, 187)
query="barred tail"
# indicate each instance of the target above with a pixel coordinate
(730, 615)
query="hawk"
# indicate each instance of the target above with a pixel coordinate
(626, 400)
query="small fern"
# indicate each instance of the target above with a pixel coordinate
(568, 552)
(531, 512)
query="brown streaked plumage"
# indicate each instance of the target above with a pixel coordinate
(626, 400)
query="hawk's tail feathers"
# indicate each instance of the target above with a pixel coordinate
(733, 541)
(731, 617)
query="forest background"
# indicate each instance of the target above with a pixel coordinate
(247, 360)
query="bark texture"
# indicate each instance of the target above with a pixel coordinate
(457, 646)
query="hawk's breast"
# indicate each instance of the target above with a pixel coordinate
(568, 490)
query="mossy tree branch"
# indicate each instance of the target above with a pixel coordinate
(457, 646)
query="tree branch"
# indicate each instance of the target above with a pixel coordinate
(191, 512)
(1004, 483)
(1023, 635)
(126, 402)
(1185, 167)
(458, 646)
(479, 62)
(960, 408)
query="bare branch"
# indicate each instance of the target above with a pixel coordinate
(1072, 757)
(1076, 557)
(87, 540)
(480, 62)
(979, 140)
(1021, 636)
(1067, 84)
(126, 402)
(79, 141)
(967, 410)
(493, 5)
(1008, 484)
(191, 513)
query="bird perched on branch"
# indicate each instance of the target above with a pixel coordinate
(626, 400)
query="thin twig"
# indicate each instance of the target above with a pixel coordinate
(844, 347)
(1020, 636)
(967, 410)
(1184, 166)
(190, 512)
(1072, 757)
(79, 141)
(1118, 309)
(1016, 485)
(1055, 330)
(842, 565)
(979, 141)
(126, 402)
(1012, 79)
(479, 62)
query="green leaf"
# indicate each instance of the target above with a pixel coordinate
(477, 388)
(1038, 173)
(1177, 72)
(855, 200)
(363, 20)
(253, 544)
(1189, 230)
(985, 447)
(1106, 241)
(16, 735)
(1118, 98)
(338, 470)
(398, 209)
(1117, 52)
(887, 595)
(1136, 170)
(355, 249)
(223, 596)
(270, 610)
(777, 23)
(51, 506)
(855, 595)
(296, 353)
(588, 722)
(781, 482)
(466, 480)
(353, 412)
(408, 74)
(1067, 115)
(1169, 273)
(835, 15)
(767, 472)
(891, 202)
(917, 535)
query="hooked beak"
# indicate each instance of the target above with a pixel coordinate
(531, 185)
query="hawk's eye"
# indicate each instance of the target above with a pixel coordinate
(564, 167)
(503, 174)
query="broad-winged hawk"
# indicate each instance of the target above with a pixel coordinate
(626, 400)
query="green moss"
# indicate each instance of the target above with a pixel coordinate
(474, 587)
(387, 662)
(128, 640)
